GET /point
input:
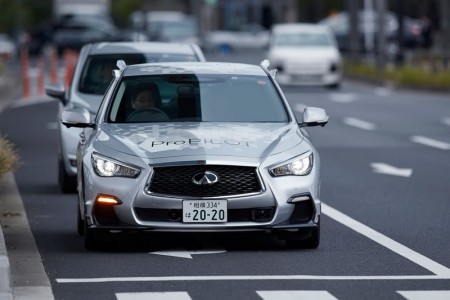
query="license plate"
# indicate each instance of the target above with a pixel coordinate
(204, 211)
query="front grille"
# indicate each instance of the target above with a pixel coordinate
(177, 181)
(234, 215)
(307, 68)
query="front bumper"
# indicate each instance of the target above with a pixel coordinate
(140, 210)
(309, 79)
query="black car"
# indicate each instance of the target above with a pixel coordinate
(73, 32)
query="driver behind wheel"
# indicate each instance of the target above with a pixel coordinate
(147, 105)
(146, 96)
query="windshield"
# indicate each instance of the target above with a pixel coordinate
(199, 98)
(302, 40)
(97, 72)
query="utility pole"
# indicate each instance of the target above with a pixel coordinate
(445, 32)
(381, 35)
(400, 54)
(354, 38)
(368, 27)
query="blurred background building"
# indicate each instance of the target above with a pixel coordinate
(36, 22)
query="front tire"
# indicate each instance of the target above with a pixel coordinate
(91, 243)
(66, 182)
(80, 223)
(312, 240)
(334, 86)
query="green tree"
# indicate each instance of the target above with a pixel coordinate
(23, 14)
(121, 10)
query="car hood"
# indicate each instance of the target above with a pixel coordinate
(307, 53)
(163, 140)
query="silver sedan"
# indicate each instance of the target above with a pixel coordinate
(217, 149)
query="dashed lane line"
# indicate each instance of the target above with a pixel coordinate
(281, 294)
(154, 296)
(425, 295)
(430, 142)
(359, 123)
(342, 97)
(446, 121)
(303, 295)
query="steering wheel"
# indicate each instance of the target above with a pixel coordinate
(148, 114)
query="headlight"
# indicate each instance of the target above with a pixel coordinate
(300, 166)
(107, 167)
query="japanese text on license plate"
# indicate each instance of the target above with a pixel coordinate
(204, 211)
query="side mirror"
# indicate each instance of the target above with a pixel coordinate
(77, 117)
(56, 90)
(314, 116)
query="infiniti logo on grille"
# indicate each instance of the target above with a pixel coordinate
(205, 178)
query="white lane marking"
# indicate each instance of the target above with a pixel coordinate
(296, 295)
(425, 295)
(154, 296)
(446, 121)
(383, 168)
(342, 97)
(383, 91)
(248, 277)
(441, 272)
(387, 242)
(299, 107)
(430, 142)
(187, 254)
(359, 124)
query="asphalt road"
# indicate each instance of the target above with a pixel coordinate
(385, 223)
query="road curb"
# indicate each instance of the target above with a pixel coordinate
(6, 89)
(25, 276)
(5, 271)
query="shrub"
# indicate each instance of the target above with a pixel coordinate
(408, 75)
(9, 158)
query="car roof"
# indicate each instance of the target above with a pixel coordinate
(194, 68)
(300, 27)
(141, 47)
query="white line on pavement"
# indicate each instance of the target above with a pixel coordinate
(425, 295)
(382, 168)
(430, 142)
(247, 277)
(154, 296)
(441, 272)
(446, 121)
(359, 124)
(300, 295)
(387, 242)
(342, 97)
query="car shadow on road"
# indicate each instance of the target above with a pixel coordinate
(135, 242)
